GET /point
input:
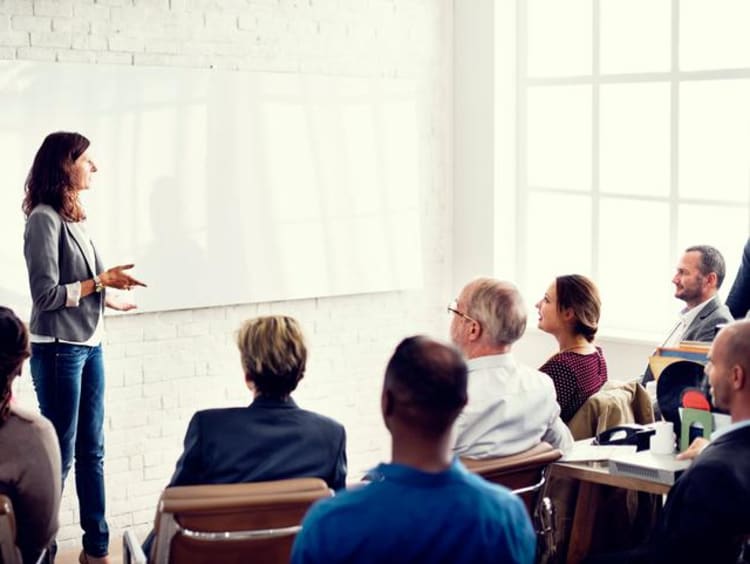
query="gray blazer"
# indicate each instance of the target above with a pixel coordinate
(703, 327)
(55, 257)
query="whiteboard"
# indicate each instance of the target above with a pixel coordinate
(225, 187)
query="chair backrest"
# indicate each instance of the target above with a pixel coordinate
(8, 552)
(615, 403)
(233, 522)
(524, 473)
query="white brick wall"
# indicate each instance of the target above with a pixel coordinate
(162, 367)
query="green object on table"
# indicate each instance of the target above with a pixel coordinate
(689, 418)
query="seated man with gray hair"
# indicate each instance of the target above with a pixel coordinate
(511, 407)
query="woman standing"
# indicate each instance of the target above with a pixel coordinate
(569, 311)
(68, 282)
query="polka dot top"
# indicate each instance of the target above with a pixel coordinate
(576, 378)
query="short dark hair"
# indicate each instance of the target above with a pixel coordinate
(273, 354)
(428, 382)
(48, 181)
(14, 349)
(711, 261)
(582, 296)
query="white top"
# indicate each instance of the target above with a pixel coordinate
(511, 408)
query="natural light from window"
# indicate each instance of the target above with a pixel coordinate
(633, 142)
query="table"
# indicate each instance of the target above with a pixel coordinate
(592, 476)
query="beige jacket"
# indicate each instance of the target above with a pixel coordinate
(614, 404)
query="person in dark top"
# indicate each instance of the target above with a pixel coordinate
(705, 517)
(738, 300)
(272, 438)
(570, 312)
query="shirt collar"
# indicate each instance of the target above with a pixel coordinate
(411, 476)
(729, 428)
(688, 315)
(490, 361)
(271, 402)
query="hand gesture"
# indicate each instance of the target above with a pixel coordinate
(116, 277)
(118, 305)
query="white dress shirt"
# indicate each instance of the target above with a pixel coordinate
(686, 318)
(511, 408)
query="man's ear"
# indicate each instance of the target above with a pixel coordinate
(387, 403)
(475, 331)
(712, 279)
(249, 383)
(738, 378)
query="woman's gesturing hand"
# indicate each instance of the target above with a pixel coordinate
(116, 277)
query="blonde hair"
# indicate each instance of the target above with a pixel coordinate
(273, 353)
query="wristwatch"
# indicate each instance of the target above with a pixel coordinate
(98, 286)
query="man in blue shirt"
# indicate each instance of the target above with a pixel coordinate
(424, 506)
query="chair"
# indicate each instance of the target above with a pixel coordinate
(229, 523)
(8, 552)
(525, 474)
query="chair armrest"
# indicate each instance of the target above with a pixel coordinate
(132, 553)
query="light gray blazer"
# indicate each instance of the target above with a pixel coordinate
(55, 257)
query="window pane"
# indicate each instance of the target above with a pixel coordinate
(723, 227)
(634, 139)
(559, 137)
(713, 34)
(715, 140)
(646, 20)
(635, 266)
(559, 37)
(558, 237)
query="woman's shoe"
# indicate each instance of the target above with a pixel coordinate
(84, 558)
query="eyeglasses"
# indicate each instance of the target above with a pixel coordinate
(453, 308)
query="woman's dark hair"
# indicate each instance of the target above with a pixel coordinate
(582, 296)
(49, 182)
(14, 349)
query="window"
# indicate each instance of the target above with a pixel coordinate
(633, 142)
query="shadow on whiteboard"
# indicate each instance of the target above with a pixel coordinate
(226, 187)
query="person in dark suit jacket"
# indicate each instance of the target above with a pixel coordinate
(699, 275)
(707, 514)
(738, 300)
(706, 517)
(272, 438)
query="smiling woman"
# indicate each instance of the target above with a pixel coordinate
(67, 282)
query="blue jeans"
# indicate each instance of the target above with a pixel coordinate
(69, 383)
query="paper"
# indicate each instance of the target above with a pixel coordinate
(584, 451)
